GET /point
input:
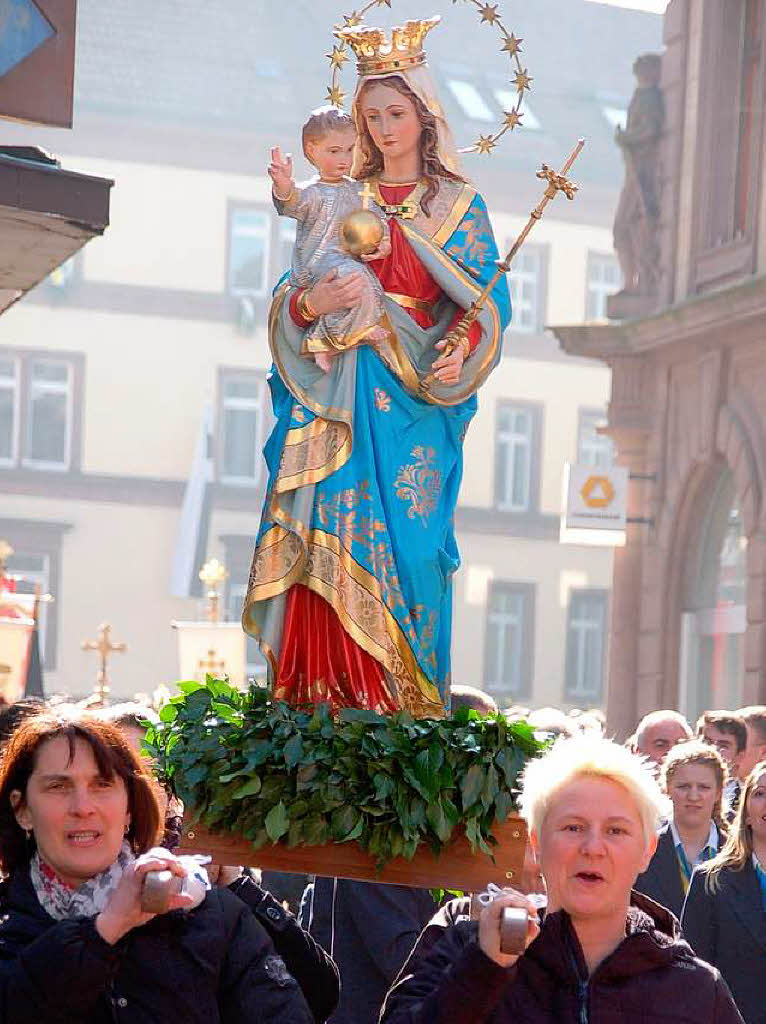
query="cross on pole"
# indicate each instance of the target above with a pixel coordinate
(105, 648)
(213, 665)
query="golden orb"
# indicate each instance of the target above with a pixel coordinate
(361, 232)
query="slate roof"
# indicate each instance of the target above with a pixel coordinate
(257, 67)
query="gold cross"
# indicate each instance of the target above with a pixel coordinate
(213, 665)
(104, 647)
(366, 195)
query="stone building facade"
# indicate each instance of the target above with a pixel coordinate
(688, 403)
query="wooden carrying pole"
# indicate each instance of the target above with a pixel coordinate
(455, 868)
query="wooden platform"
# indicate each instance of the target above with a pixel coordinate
(455, 868)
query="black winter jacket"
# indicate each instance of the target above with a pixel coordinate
(212, 965)
(304, 958)
(652, 976)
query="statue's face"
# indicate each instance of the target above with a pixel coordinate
(391, 120)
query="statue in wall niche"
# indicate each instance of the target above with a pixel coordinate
(637, 219)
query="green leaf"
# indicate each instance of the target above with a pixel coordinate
(277, 822)
(471, 785)
(251, 788)
(293, 750)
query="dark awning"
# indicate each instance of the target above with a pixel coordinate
(46, 215)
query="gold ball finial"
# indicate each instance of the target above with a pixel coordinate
(361, 233)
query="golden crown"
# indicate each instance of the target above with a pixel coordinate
(375, 54)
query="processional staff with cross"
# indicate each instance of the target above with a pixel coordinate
(105, 648)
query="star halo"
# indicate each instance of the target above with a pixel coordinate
(489, 15)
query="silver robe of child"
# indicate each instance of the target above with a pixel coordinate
(319, 208)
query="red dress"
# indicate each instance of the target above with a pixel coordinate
(318, 659)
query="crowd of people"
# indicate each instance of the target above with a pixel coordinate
(651, 855)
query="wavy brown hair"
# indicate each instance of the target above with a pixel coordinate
(114, 757)
(738, 848)
(432, 168)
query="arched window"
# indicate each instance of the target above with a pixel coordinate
(714, 616)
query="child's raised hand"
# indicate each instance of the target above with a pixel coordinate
(281, 173)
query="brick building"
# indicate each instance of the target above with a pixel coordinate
(687, 410)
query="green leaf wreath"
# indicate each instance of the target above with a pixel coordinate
(244, 763)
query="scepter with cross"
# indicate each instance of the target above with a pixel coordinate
(105, 648)
(557, 182)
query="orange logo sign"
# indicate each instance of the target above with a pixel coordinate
(597, 492)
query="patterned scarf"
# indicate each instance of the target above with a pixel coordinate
(63, 902)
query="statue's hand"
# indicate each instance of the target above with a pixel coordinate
(281, 173)
(383, 250)
(446, 369)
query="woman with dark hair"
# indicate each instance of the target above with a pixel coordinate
(356, 545)
(724, 916)
(693, 775)
(79, 821)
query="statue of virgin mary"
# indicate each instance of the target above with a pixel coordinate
(350, 593)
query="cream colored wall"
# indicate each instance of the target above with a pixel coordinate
(146, 380)
(115, 567)
(190, 208)
(563, 388)
(555, 569)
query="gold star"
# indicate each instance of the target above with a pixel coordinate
(352, 20)
(512, 118)
(338, 57)
(522, 81)
(488, 13)
(512, 45)
(335, 96)
(485, 144)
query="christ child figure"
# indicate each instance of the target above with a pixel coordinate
(329, 137)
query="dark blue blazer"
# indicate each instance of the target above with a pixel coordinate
(728, 929)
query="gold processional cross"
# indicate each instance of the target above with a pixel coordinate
(105, 648)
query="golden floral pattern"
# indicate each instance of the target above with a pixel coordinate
(477, 235)
(382, 400)
(419, 484)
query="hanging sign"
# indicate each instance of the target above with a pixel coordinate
(37, 46)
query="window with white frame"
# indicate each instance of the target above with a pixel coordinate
(249, 236)
(48, 438)
(514, 437)
(241, 420)
(255, 663)
(507, 661)
(585, 647)
(9, 411)
(593, 448)
(527, 288)
(604, 279)
(35, 570)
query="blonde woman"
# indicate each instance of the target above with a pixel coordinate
(693, 775)
(602, 953)
(724, 917)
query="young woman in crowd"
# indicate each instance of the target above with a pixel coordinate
(78, 814)
(601, 953)
(693, 775)
(724, 917)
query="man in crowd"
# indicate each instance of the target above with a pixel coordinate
(754, 718)
(658, 732)
(727, 732)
